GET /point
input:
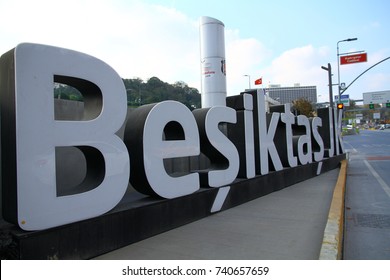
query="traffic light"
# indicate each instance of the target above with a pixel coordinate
(387, 105)
(340, 106)
(371, 106)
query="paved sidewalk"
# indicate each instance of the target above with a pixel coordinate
(285, 225)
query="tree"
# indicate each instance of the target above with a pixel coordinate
(353, 109)
(156, 90)
(303, 107)
(62, 91)
(141, 93)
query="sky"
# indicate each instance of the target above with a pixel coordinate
(284, 42)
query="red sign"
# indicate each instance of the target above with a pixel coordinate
(354, 58)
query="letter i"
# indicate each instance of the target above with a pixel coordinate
(249, 136)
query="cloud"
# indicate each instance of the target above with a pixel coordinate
(299, 65)
(244, 56)
(143, 40)
(135, 38)
(375, 24)
(377, 81)
(156, 41)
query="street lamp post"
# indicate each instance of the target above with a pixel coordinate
(329, 69)
(249, 80)
(338, 63)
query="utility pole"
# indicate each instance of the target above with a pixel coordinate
(338, 63)
(329, 69)
(249, 80)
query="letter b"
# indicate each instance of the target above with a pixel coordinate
(27, 116)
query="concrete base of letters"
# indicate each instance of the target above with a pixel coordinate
(138, 217)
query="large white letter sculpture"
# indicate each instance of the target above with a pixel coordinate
(37, 134)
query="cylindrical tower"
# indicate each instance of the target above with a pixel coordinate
(213, 64)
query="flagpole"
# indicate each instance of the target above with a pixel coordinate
(249, 80)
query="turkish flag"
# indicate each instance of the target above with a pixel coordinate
(259, 81)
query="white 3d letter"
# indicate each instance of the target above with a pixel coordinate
(317, 122)
(289, 119)
(155, 149)
(267, 145)
(220, 142)
(305, 140)
(38, 134)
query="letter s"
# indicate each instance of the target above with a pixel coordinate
(217, 146)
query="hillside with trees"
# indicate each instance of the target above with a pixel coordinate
(140, 92)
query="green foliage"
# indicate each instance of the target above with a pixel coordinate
(303, 107)
(62, 91)
(140, 93)
(349, 131)
(155, 90)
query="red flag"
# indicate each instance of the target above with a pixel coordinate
(259, 81)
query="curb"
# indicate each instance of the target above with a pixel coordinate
(331, 248)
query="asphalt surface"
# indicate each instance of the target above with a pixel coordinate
(367, 197)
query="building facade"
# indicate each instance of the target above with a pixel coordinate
(289, 94)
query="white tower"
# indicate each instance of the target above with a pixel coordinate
(213, 64)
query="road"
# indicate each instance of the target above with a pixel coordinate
(367, 201)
